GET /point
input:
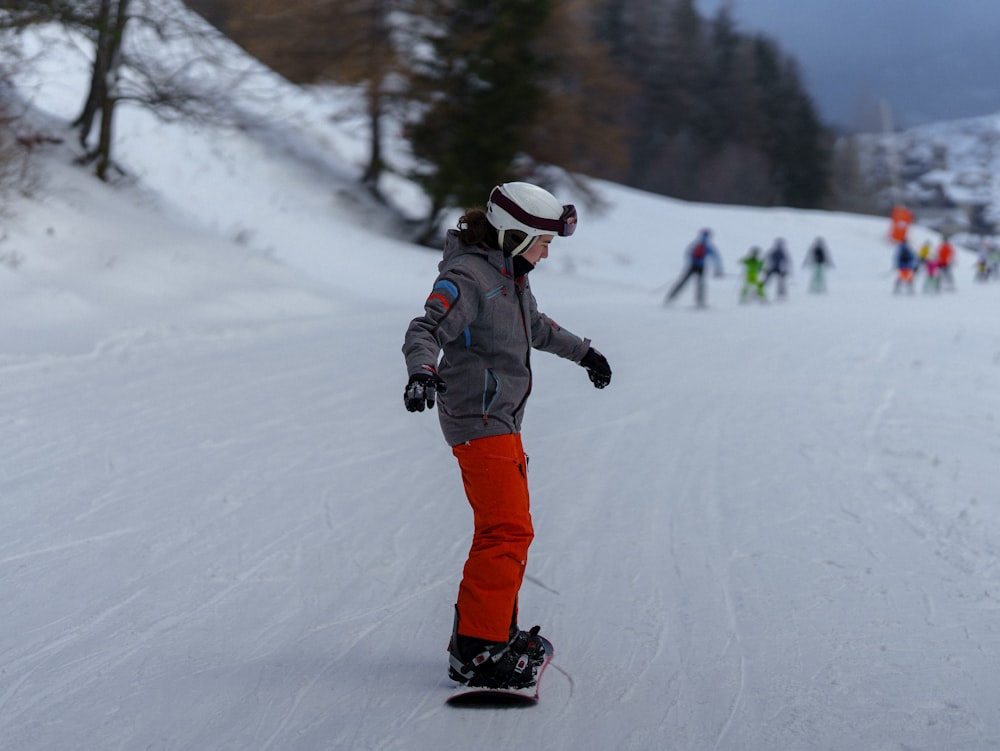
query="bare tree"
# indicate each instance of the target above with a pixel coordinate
(105, 20)
(348, 41)
(20, 140)
(587, 98)
(148, 53)
(109, 25)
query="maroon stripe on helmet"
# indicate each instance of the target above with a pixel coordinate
(555, 226)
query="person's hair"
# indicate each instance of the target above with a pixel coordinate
(475, 229)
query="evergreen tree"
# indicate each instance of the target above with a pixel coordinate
(718, 115)
(806, 155)
(479, 91)
(733, 168)
(643, 92)
(633, 32)
(793, 139)
(683, 84)
(725, 109)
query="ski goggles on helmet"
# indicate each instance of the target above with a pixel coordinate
(564, 226)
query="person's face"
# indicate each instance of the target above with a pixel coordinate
(538, 249)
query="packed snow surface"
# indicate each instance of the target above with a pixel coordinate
(777, 528)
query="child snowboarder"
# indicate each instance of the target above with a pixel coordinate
(481, 318)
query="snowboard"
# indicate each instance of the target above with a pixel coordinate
(487, 698)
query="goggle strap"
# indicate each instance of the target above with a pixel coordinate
(563, 226)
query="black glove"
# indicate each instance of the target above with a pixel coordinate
(422, 390)
(597, 368)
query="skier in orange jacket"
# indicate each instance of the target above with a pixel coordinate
(946, 260)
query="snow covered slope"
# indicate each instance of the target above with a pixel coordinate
(947, 172)
(219, 528)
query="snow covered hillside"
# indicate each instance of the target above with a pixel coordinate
(947, 172)
(220, 529)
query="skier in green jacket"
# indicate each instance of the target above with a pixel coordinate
(752, 265)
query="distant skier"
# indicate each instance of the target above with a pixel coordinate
(994, 260)
(924, 253)
(752, 265)
(982, 264)
(929, 266)
(697, 257)
(946, 260)
(906, 265)
(819, 259)
(986, 261)
(777, 263)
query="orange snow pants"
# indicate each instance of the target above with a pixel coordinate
(494, 472)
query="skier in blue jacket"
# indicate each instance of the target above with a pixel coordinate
(905, 262)
(697, 255)
(777, 263)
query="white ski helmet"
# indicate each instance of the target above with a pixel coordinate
(528, 209)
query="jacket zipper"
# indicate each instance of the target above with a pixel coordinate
(508, 272)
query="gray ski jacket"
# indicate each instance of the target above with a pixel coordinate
(482, 323)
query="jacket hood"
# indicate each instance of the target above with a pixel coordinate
(454, 248)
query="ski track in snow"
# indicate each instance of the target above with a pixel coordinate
(235, 537)
(231, 535)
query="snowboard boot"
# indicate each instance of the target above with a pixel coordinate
(484, 664)
(528, 643)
